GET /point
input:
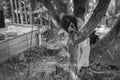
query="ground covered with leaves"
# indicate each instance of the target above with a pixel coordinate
(100, 71)
(37, 63)
(40, 63)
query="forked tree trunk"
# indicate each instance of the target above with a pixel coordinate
(96, 17)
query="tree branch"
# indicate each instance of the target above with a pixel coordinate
(53, 13)
(94, 20)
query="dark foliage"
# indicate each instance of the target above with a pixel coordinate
(80, 8)
(2, 20)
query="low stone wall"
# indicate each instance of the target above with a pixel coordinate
(12, 46)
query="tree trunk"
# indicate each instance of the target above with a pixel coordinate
(88, 28)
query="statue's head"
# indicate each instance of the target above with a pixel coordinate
(69, 24)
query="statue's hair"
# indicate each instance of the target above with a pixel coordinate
(69, 21)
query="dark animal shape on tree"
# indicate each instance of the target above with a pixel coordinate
(69, 23)
(93, 38)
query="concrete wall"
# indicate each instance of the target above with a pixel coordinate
(17, 44)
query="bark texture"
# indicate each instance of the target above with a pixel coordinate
(107, 49)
